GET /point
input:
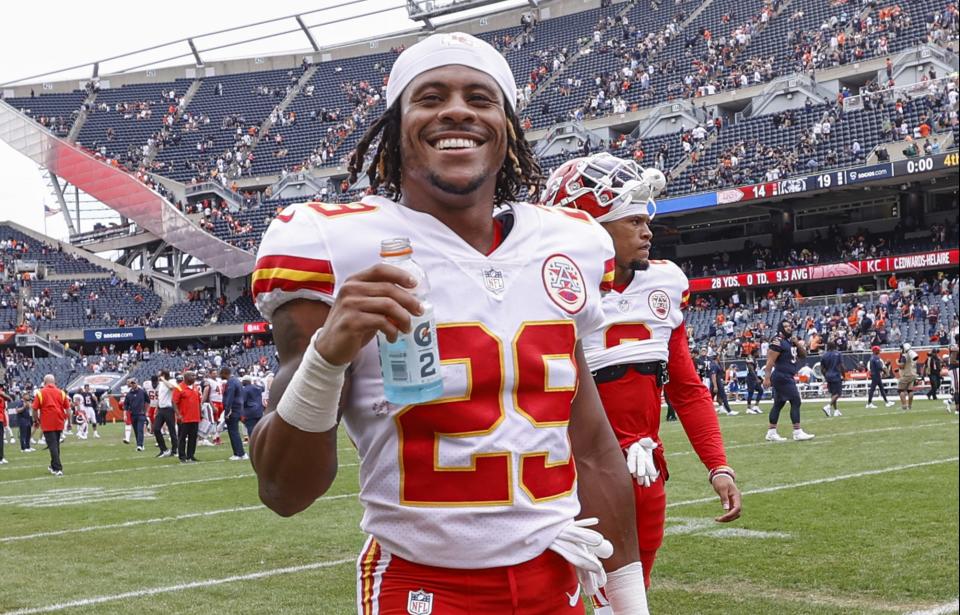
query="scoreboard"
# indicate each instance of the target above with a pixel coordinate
(810, 183)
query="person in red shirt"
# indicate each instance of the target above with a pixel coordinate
(186, 401)
(4, 398)
(52, 404)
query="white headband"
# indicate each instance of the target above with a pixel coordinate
(631, 208)
(446, 49)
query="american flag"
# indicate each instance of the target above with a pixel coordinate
(50, 211)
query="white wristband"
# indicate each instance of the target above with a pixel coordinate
(626, 592)
(312, 398)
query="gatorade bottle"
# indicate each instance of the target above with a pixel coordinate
(410, 365)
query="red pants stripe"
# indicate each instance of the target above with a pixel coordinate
(390, 585)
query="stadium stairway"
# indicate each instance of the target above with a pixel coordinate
(282, 107)
(187, 97)
(121, 191)
(82, 117)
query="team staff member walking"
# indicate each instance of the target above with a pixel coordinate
(831, 365)
(25, 421)
(52, 404)
(933, 366)
(187, 401)
(166, 389)
(252, 404)
(232, 411)
(876, 379)
(135, 402)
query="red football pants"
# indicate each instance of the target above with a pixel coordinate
(632, 405)
(390, 585)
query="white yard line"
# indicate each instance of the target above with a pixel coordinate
(761, 443)
(152, 591)
(158, 465)
(156, 520)
(821, 481)
(943, 609)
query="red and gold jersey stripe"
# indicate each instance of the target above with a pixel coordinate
(292, 273)
(369, 559)
(606, 282)
(685, 299)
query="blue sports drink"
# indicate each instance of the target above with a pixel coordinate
(410, 365)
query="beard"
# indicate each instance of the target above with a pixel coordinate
(471, 186)
(638, 265)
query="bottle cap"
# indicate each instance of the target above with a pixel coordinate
(397, 246)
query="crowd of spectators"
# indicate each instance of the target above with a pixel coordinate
(834, 246)
(856, 321)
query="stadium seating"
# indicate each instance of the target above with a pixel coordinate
(122, 135)
(56, 261)
(57, 112)
(131, 304)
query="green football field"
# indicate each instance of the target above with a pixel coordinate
(862, 519)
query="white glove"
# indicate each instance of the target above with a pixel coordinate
(583, 548)
(640, 461)
(626, 592)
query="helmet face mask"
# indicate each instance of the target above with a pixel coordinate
(599, 185)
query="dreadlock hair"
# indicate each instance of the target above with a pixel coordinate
(519, 175)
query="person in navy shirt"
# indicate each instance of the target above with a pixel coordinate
(135, 402)
(876, 378)
(252, 404)
(780, 371)
(719, 387)
(831, 366)
(232, 411)
(753, 384)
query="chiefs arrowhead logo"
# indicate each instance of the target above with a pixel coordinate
(287, 218)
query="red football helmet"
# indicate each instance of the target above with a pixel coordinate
(599, 185)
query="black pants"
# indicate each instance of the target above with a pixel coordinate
(233, 429)
(934, 386)
(722, 397)
(188, 440)
(753, 386)
(785, 391)
(165, 416)
(53, 445)
(138, 421)
(876, 383)
(25, 427)
(671, 411)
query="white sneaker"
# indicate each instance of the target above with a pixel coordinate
(837, 413)
(235, 458)
(139, 448)
(245, 457)
(733, 413)
(871, 406)
(827, 409)
(773, 436)
(3, 461)
(96, 434)
(799, 434)
(888, 404)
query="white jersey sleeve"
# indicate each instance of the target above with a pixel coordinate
(294, 259)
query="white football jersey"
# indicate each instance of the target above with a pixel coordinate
(483, 476)
(151, 393)
(638, 322)
(216, 393)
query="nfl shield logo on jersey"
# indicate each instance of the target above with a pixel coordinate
(564, 283)
(659, 304)
(493, 280)
(419, 603)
